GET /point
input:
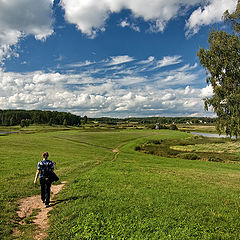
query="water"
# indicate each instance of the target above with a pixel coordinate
(1, 133)
(210, 135)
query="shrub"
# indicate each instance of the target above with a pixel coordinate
(137, 148)
(190, 156)
(173, 127)
(154, 142)
(214, 159)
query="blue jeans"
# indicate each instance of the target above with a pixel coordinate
(45, 190)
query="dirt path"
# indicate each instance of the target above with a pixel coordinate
(116, 152)
(26, 207)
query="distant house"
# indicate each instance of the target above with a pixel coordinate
(157, 126)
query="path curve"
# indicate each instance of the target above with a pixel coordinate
(26, 207)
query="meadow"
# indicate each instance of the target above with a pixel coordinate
(116, 192)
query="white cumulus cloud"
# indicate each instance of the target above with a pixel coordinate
(90, 15)
(133, 26)
(207, 91)
(110, 92)
(210, 13)
(19, 18)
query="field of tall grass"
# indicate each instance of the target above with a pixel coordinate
(115, 192)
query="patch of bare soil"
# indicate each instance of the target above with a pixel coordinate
(26, 207)
(116, 152)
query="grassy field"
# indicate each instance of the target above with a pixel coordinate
(197, 128)
(120, 194)
(195, 148)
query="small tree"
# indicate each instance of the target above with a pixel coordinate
(85, 119)
(222, 63)
(25, 123)
(173, 127)
(12, 122)
(50, 123)
(65, 123)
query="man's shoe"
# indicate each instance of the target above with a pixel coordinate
(47, 205)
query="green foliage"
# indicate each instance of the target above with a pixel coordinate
(145, 197)
(138, 148)
(151, 121)
(50, 123)
(25, 123)
(85, 119)
(194, 148)
(65, 122)
(154, 141)
(190, 156)
(119, 195)
(15, 117)
(234, 18)
(173, 127)
(222, 62)
(214, 159)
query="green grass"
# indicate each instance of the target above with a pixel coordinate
(124, 195)
(228, 147)
(194, 148)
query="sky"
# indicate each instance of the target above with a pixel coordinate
(107, 58)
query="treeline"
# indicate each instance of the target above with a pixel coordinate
(154, 120)
(27, 117)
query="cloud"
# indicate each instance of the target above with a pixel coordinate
(209, 14)
(101, 90)
(133, 26)
(19, 18)
(116, 60)
(90, 16)
(168, 60)
(127, 71)
(153, 64)
(79, 64)
(149, 60)
(181, 76)
(168, 96)
(207, 91)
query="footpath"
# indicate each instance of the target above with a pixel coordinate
(26, 207)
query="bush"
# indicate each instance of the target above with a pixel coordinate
(137, 148)
(173, 127)
(214, 159)
(154, 142)
(190, 156)
(25, 123)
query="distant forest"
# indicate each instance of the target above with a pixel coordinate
(27, 117)
(154, 120)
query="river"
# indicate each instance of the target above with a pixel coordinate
(2, 133)
(210, 135)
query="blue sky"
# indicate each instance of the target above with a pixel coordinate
(115, 58)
